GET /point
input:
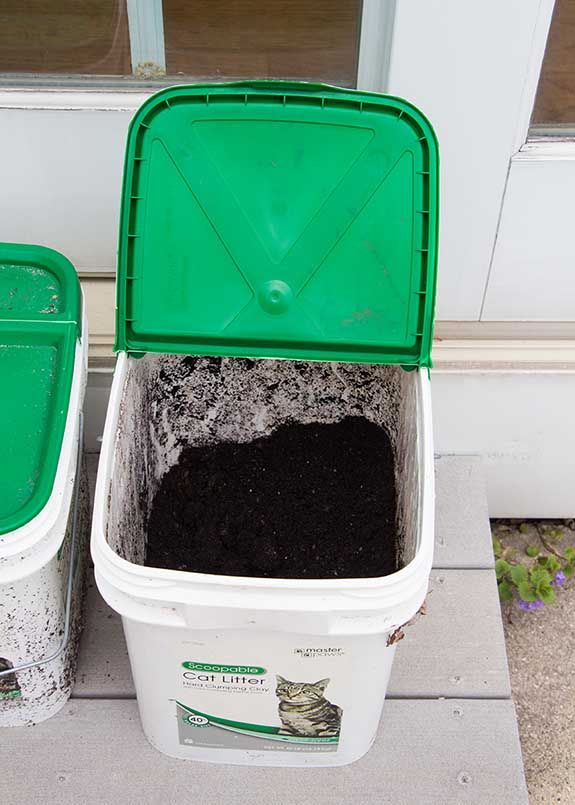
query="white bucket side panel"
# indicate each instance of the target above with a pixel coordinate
(211, 695)
(32, 614)
(34, 564)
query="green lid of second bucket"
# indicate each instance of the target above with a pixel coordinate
(269, 219)
(40, 321)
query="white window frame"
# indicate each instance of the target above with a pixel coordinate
(147, 44)
(530, 273)
(375, 43)
(525, 133)
(148, 54)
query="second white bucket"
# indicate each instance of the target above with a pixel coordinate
(206, 650)
(267, 221)
(44, 499)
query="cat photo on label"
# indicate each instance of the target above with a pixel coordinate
(304, 711)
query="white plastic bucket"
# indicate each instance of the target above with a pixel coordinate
(41, 582)
(206, 650)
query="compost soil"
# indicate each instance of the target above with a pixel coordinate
(308, 501)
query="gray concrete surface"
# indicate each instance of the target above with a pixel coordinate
(541, 655)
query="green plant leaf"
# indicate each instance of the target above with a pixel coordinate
(541, 585)
(553, 564)
(570, 553)
(546, 594)
(501, 568)
(526, 591)
(524, 528)
(539, 575)
(497, 548)
(569, 570)
(519, 574)
(532, 551)
(505, 591)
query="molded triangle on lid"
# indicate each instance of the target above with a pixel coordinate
(40, 319)
(272, 219)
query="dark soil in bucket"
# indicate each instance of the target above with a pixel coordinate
(309, 501)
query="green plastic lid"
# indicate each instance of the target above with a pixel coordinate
(40, 319)
(272, 219)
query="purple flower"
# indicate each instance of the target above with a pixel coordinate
(560, 578)
(529, 606)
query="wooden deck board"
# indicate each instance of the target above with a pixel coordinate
(103, 664)
(448, 752)
(462, 533)
(456, 649)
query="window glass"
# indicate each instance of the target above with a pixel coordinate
(64, 36)
(211, 39)
(555, 101)
(263, 38)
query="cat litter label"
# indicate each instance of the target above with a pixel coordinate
(250, 707)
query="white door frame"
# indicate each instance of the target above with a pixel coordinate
(531, 274)
(472, 66)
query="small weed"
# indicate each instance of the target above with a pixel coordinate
(534, 578)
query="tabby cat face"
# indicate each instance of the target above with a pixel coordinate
(300, 692)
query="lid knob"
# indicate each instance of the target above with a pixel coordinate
(275, 296)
